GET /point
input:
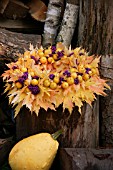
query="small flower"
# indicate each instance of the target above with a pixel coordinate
(51, 76)
(61, 79)
(21, 80)
(78, 73)
(76, 81)
(35, 77)
(34, 89)
(87, 70)
(50, 55)
(14, 67)
(53, 48)
(67, 73)
(60, 54)
(25, 75)
(36, 60)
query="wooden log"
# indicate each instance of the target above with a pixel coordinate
(85, 159)
(52, 21)
(77, 131)
(12, 43)
(106, 103)
(5, 147)
(69, 22)
(96, 34)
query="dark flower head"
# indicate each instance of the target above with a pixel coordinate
(25, 75)
(51, 76)
(50, 55)
(87, 70)
(60, 54)
(35, 59)
(34, 89)
(78, 73)
(61, 79)
(81, 53)
(21, 80)
(53, 48)
(35, 77)
(70, 54)
(67, 73)
(14, 67)
(76, 81)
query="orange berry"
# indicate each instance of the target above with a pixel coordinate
(80, 78)
(32, 73)
(41, 54)
(23, 69)
(74, 75)
(53, 85)
(72, 70)
(65, 85)
(70, 80)
(43, 60)
(86, 76)
(27, 90)
(50, 60)
(56, 79)
(94, 71)
(18, 85)
(46, 83)
(55, 56)
(34, 82)
(48, 51)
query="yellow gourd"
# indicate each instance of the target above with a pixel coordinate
(36, 152)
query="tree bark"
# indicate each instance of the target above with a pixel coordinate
(52, 22)
(12, 43)
(96, 35)
(69, 22)
(85, 159)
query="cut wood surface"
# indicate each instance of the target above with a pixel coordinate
(86, 159)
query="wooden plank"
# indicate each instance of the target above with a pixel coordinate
(85, 159)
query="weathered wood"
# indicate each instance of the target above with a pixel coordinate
(86, 159)
(106, 103)
(13, 43)
(69, 22)
(96, 34)
(76, 132)
(15, 9)
(5, 147)
(52, 21)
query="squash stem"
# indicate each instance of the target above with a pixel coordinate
(57, 134)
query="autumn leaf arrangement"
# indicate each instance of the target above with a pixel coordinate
(47, 78)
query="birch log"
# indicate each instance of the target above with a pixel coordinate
(52, 21)
(69, 22)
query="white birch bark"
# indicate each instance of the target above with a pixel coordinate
(52, 21)
(68, 23)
